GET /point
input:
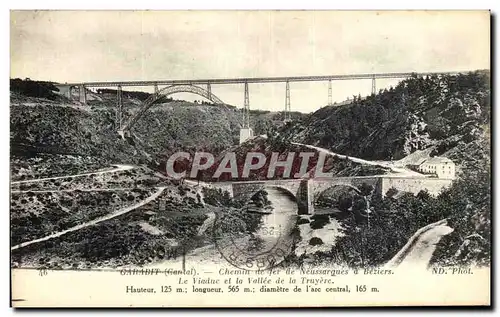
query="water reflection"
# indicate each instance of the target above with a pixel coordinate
(278, 221)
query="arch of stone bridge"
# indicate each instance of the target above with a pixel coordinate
(290, 186)
(282, 189)
(320, 187)
(305, 192)
(317, 195)
(166, 92)
(245, 191)
(285, 191)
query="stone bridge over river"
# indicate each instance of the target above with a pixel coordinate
(306, 191)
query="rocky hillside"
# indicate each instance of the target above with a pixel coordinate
(339, 166)
(86, 135)
(449, 113)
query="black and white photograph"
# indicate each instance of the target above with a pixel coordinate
(250, 158)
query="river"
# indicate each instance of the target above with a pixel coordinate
(279, 224)
(275, 229)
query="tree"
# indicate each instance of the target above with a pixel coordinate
(30, 88)
(365, 189)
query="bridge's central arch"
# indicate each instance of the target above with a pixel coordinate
(148, 103)
(283, 193)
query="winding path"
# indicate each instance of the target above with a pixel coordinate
(119, 167)
(95, 221)
(420, 247)
(401, 171)
(111, 189)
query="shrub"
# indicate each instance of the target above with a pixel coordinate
(315, 241)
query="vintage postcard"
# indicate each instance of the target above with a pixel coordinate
(250, 158)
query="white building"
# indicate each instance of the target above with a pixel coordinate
(245, 134)
(441, 166)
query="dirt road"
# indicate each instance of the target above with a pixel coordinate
(95, 221)
(119, 167)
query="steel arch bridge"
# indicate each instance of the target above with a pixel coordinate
(193, 86)
(124, 128)
(192, 89)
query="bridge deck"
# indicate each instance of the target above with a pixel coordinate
(324, 179)
(254, 79)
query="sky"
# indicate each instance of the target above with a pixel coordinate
(79, 46)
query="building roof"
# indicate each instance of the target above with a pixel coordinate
(438, 160)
